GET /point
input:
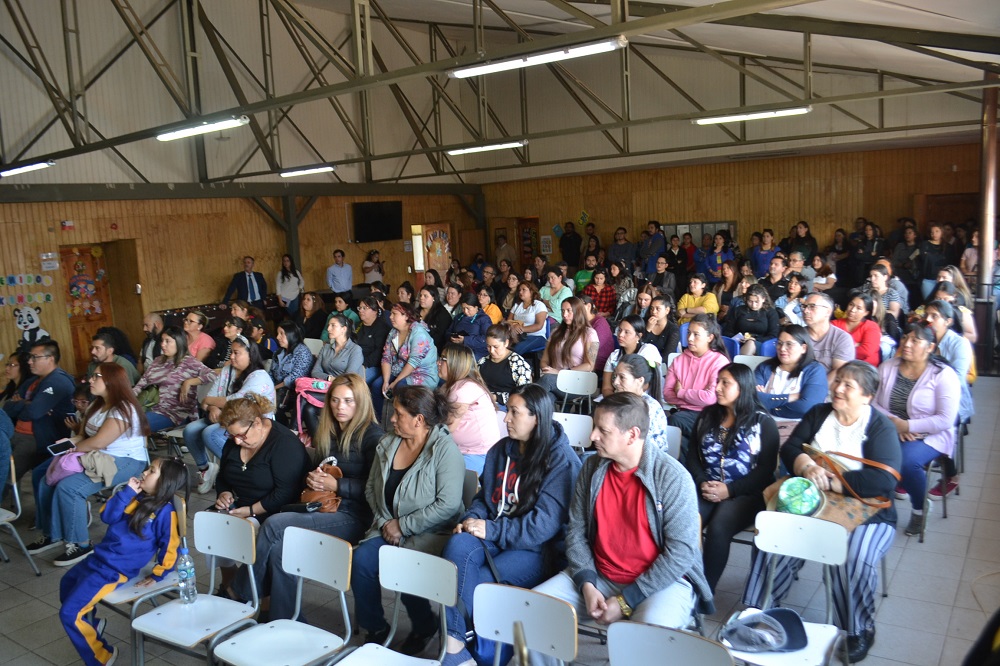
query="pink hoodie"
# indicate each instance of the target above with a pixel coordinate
(697, 377)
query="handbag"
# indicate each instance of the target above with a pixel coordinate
(312, 391)
(847, 509)
(149, 397)
(328, 499)
(63, 465)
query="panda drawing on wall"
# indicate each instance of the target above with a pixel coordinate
(28, 320)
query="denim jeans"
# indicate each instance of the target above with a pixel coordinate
(61, 512)
(530, 345)
(368, 594)
(916, 454)
(270, 541)
(522, 568)
(200, 435)
(159, 422)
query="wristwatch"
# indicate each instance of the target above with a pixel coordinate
(626, 609)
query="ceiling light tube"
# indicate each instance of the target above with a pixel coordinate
(567, 53)
(483, 149)
(26, 168)
(306, 171)
(203, 128)
(760, 115)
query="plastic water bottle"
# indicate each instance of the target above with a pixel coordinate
(185, 572)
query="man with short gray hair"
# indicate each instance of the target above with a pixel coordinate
(633, 538)
(797, 264)
(832, 347)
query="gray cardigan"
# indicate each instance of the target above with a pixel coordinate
(672, 510)
(331, 364)
(428, 501)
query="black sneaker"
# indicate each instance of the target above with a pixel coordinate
(858, 646)
(377, 636)
(43, 544)
(416, 643)
(73, 554)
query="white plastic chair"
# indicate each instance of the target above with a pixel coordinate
(210, 618)
(578, 428)
(304, 554)
(670, 358)
(549, 624)
(7, 518)
(632, 643)
(809, 539)
(500, 423)
(314, 345)
(674, 442)
(407, 571)
(577, 383)
(750, 361)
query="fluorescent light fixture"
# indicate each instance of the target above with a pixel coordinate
(483, 149)
(26, 168)
(306, 171)
(203, 128)
(760, 115)
(580, 51)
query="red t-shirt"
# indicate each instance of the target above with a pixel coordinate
(623, 549)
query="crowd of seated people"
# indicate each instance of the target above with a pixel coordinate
(865, 348)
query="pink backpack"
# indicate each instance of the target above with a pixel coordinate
(312, 391)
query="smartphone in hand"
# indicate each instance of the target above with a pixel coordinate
(60, 446)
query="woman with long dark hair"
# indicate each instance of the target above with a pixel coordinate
(289, 285)
(470, 327)
(573, 345)
(732, 458)
(311, 315)
(244, 374)
(292, 361)
(371, 337)
(373, 268)
(16, 372)
(173, 372)
(636, 374)
(348, 430)
(690, 382)
(630, 335)
(434, 315)
(756, 321)
(503, 369)
(114, 424)
(519, 511)
(232, 327)
(861, 325)
(792, 382)
(433, 279)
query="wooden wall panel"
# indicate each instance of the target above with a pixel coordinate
(188, 250)
(828, 191)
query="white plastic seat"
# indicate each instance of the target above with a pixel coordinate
(304, 554)
(809, 539)
(7, 518)
(210, 618)
(549, 624)
(501, 415)
(314, 345)
(639, 643)
(674, 442)
(407, 571)
(670, 358)
(750, 361)
(578, 428)
(577, 385)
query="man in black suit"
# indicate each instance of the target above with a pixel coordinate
(247, 285)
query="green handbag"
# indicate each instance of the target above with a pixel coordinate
(149, 397)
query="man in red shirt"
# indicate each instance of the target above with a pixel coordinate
(632, 543)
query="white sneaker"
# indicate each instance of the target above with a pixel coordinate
(208, 478)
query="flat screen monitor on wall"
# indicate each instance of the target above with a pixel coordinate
(378, 221)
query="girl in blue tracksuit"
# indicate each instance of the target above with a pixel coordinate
(141, 523)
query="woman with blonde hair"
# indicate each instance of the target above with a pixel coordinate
(472, 416)
(348, 431)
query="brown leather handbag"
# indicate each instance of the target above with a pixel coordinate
(328, 499)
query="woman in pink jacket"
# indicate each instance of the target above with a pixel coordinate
(920, 394)
(690, 382)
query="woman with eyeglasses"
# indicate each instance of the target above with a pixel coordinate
(199, 343)
(371, 337)
(792, 382)
(173, 371)
(472, 416)
(261, 466)
(219, 356)
(489, 306)
(244, 374)
(113, 424)
(16, 372)
(348, 431)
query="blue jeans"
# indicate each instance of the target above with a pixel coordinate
(368, 594)
(200, 435)
(270, 541)
(61, 512)
(521, 568)
(916, 454)
(530, 345)
(292, 307)
(159, 422)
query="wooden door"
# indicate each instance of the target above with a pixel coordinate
(437, 247)
(527, 240)
(88, 302)
(126, 297)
